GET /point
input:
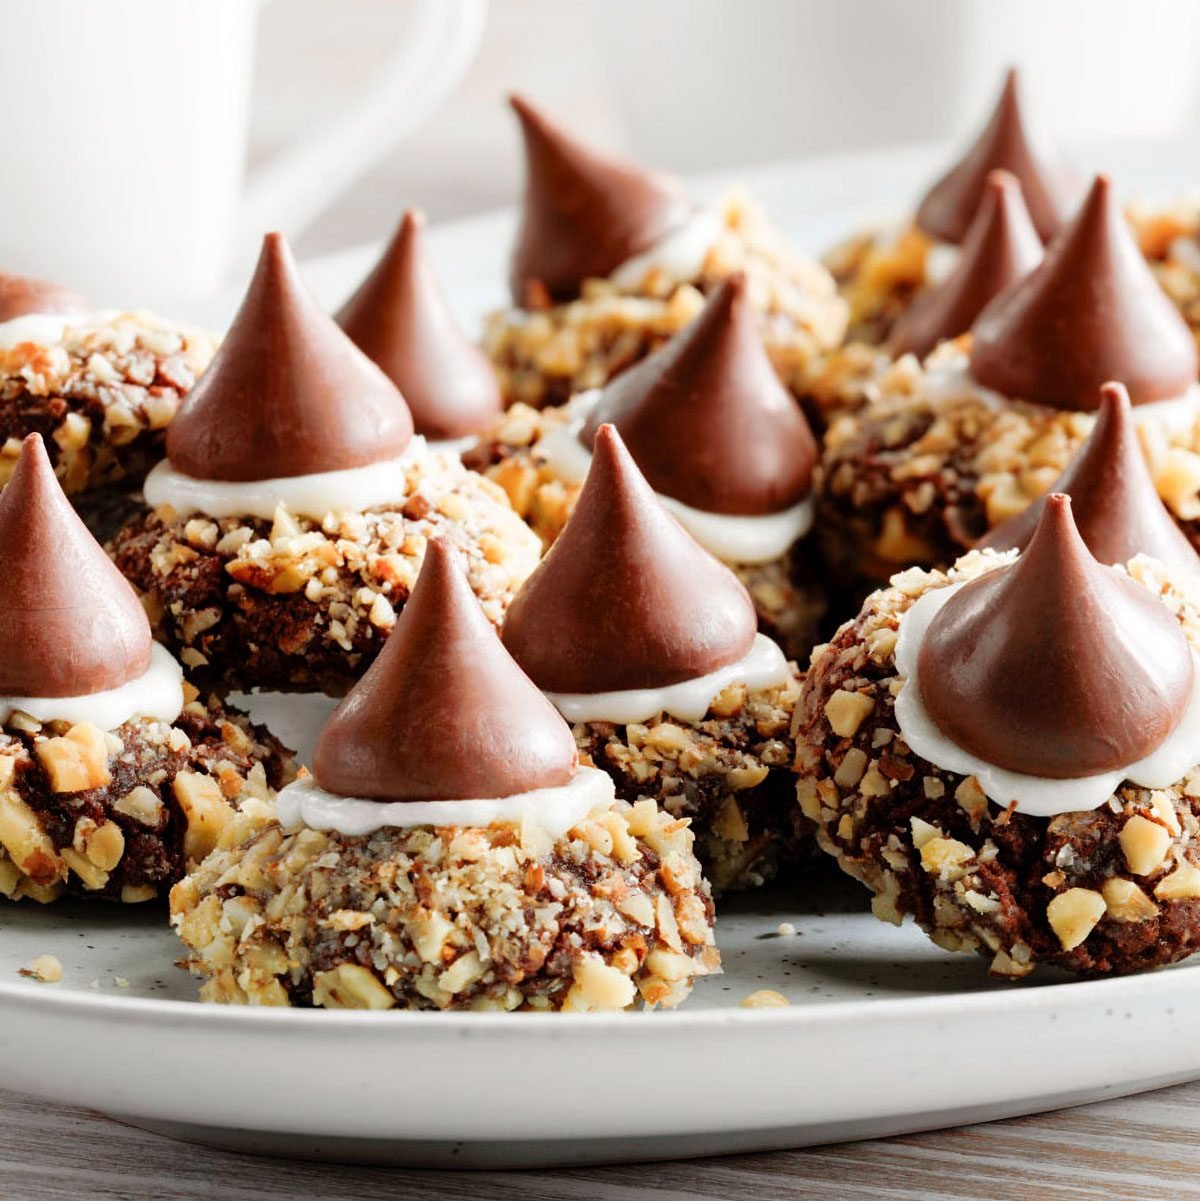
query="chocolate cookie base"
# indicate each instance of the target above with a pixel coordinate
(502, 917)
(101, 398)
(303, 606)
(1108, 891)
(543, 357)
(729, 774)
(120, 816)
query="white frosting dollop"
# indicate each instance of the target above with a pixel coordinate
(732, 537)
(1038, 796)
(354, 489)
(555, 810)
(764, 665)
(679, 254)
(47, 329)
(948, 378)
(157, 693)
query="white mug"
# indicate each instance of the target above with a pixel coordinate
(129, 121)
(709, 83)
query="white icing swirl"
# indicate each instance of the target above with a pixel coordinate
(1038, 796)
(354, 489)
(764, 665)
(555, 810)
(47, 329)
(156, 693)
(732, 537)
(679, 254)
(948, 378)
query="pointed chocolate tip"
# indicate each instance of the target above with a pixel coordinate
(443, 713)
(707, 419)
(1005, 142)
(1091, 312)
(70, 624)
(1056, 666)
(584, 212)
(1116, 507)
(400, 319)
(288, 393)
(1000, 247)
(625, 598)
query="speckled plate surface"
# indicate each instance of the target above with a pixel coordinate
(884, 1032)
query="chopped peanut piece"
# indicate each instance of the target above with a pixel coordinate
(1074, 914)
(77, 761)
(846, 711)
(350, 986)
(945, 857)
(205, 809)
(1183, 884)
(1126, 901)
(765, 998)
(104, 845)
(1144, 843)
(598, 986)
(45, 968)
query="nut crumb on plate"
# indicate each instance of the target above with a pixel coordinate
(45, 968)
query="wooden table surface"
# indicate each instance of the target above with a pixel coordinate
(1126, 1150)
(1142, 1147)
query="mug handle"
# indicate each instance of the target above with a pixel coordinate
(440, 40)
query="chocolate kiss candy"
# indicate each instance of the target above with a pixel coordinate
(21, 295)
(1113, 499)
(706, 418)
(70, 624)
(399, 319)
(1090, 313)
(625, 598)
(1056, 666)
(287, 393)
(584, 213)
(1005, 143)
(1000, 247)
(443, 713)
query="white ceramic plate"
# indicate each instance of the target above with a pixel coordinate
(885, 1033)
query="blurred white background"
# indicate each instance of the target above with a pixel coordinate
(696, 84)
(355, 92)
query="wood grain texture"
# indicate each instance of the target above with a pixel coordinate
(1136, 1149)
